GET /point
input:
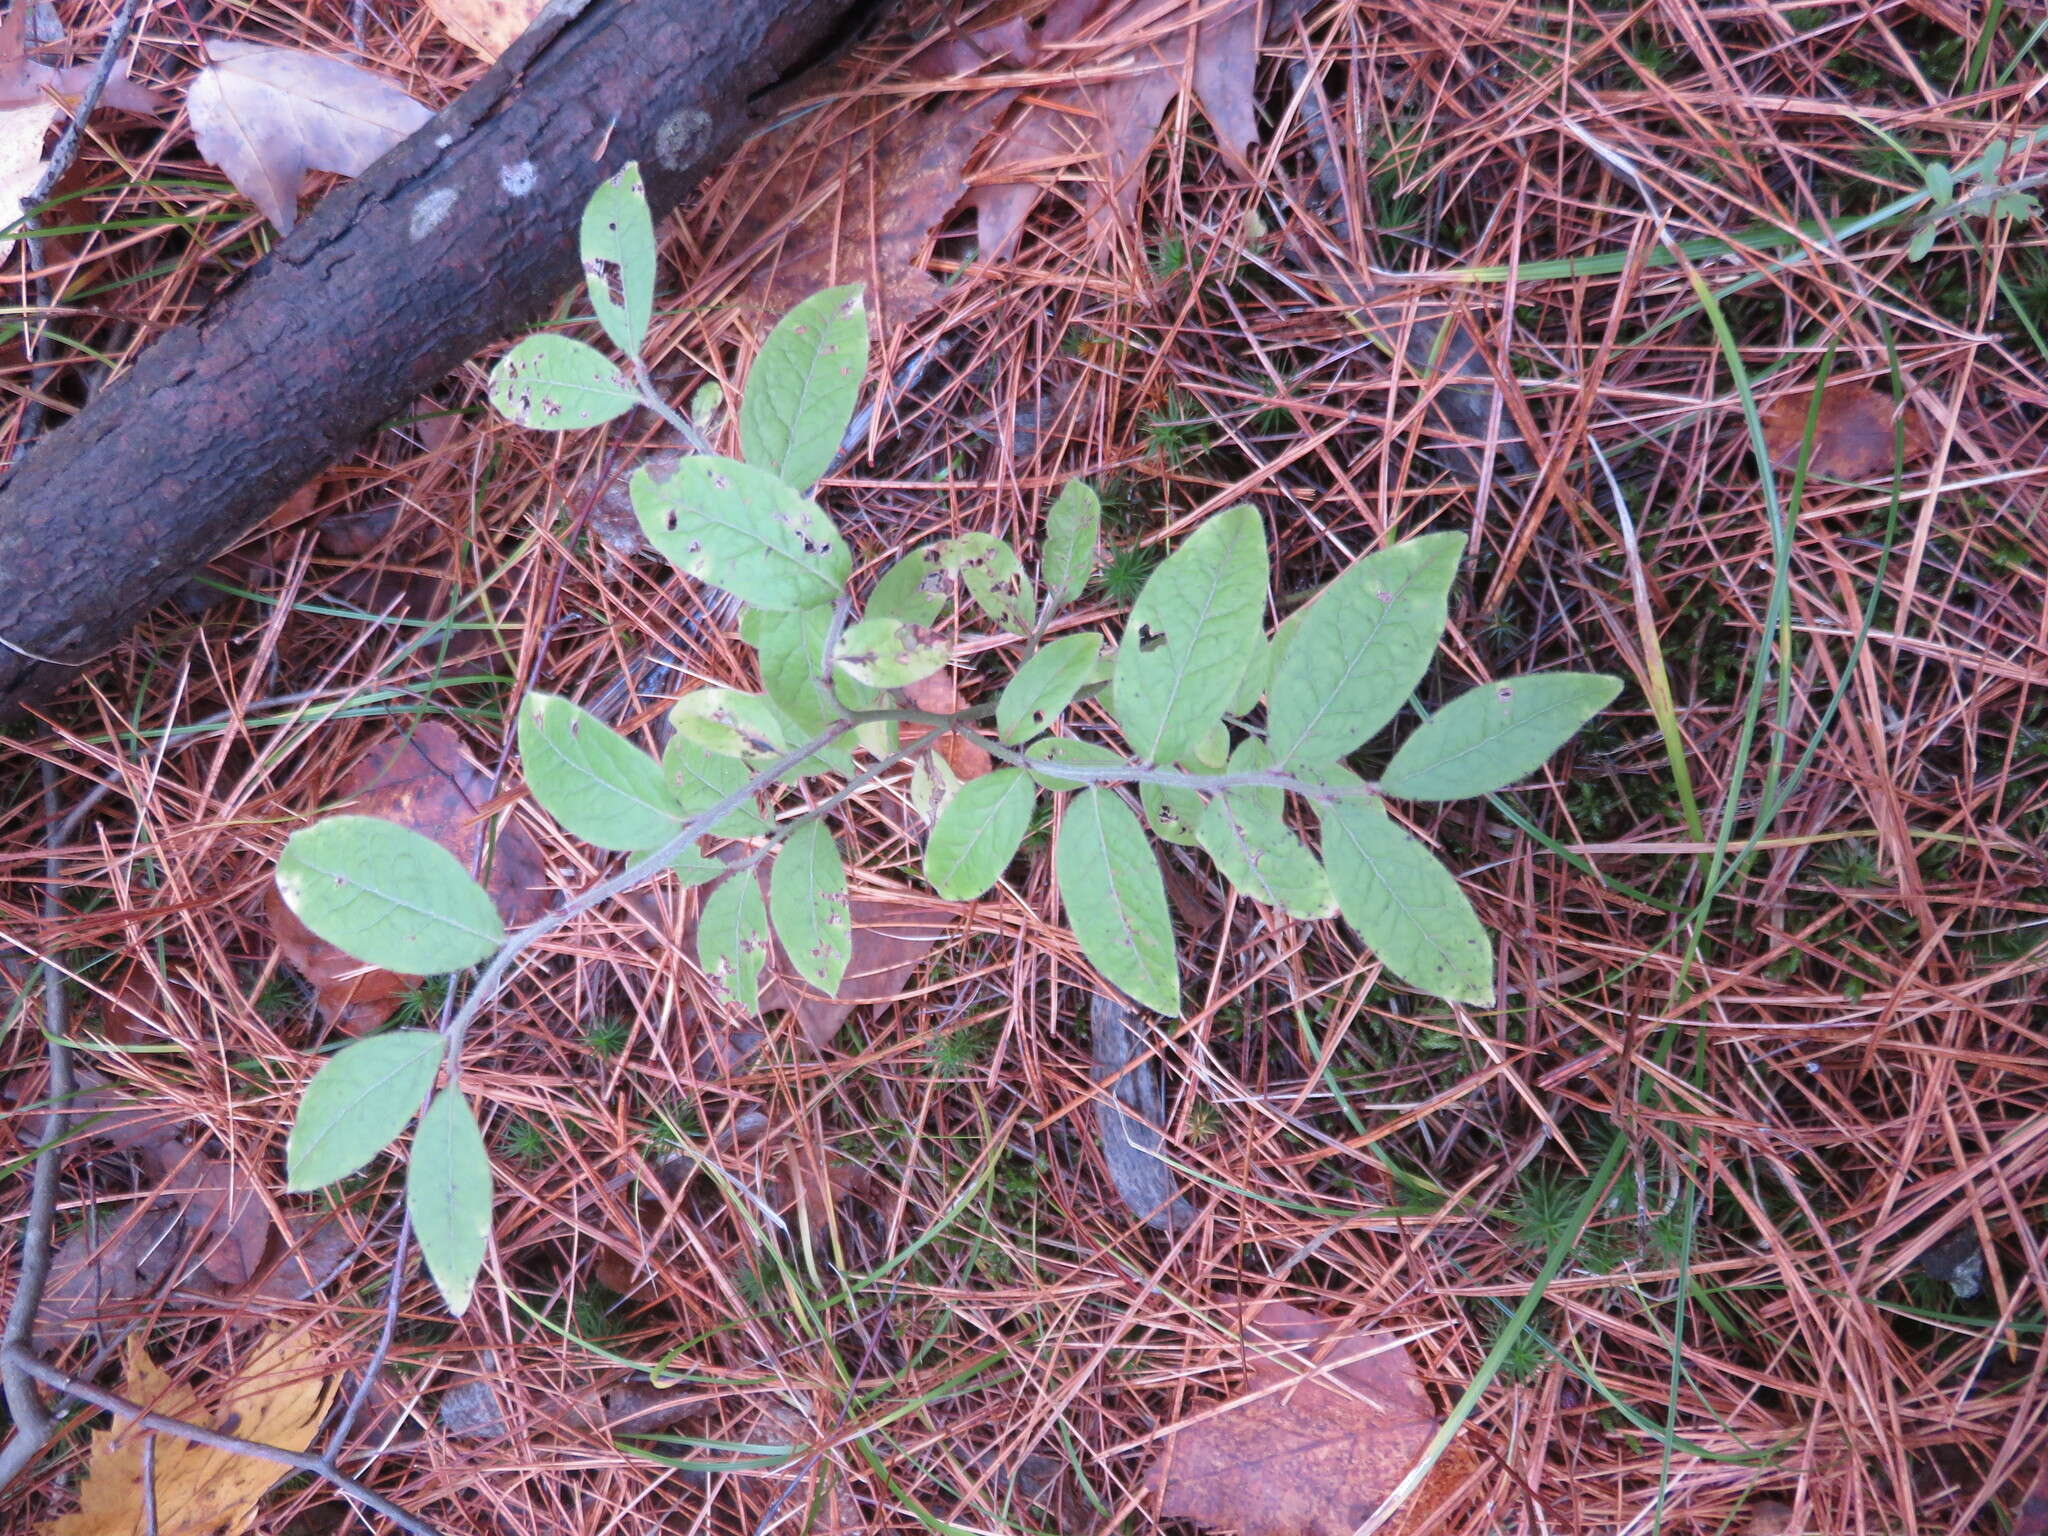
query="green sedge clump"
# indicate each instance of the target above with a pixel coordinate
(1229, 738)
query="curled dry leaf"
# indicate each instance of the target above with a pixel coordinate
(1326, 1426)
(426, 783)
(278, 1394)
(268, 115)
(486, 27)
(1853, 433)
(860, 200)
(941, 696)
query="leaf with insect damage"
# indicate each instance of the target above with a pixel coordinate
(1328, 1423)
(268, 115)
(1492, 735)
(807, 904)
(700, 779)
(448, 1196)
(732, 724)
(990, 570)
(742, 530)
(887, 653)
(357, 1104)
(1192, 632)
(733, 940)
(1066, 557)
(592, 780)
(1115, 899)
(617, 249)
(803, 386)
(558, 384)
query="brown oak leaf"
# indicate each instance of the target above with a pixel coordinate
(1327, 1424)
(1853, 434)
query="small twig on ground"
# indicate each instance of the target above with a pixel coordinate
(31, 1423)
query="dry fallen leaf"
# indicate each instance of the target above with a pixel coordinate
(278, 1395)
(226, 1215)
(26, 83)
(486, 27)
(268, 115)
(102, 1266)
(424, 782)
(1326, 1425)
(860, 199)
(940, 695)
(1852, 434)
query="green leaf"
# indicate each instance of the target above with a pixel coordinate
(357, 1104)
(1245, 831)
(731, 724)
(618, 258)
(802, 388)
(1173, 812)
(732, 940)
(743, 530)
(1258, 673)
(1046, 684)
(992, 573)
(1191, 634)
(915, 589)
(387, 895)
(592, 780)
(791, 646)
(978, 833)
(557, 384)
(1360, 649)
(1922, 240)
(1073, 527)
(1489, 737)
(694, 867)
(1405, 905)
(448, 1196)
(1065, 749)
(888, 653)
(699, 779)
(1115, 899)
(807, 903)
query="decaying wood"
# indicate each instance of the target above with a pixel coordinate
(1129, 1114)
(461, 236)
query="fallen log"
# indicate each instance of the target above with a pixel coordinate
(462, 235)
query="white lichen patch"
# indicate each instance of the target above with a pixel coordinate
(518, 180)
(680, 136)
(431, 211)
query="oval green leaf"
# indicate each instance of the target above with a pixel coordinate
(978, 833)
(1073, 527)
(1045, 685)
(1115, 899)
(357, 1104)
(803, 386)
(1405, 905)
(791, 648)
(1356, 653)
(1173, 812)
(1191, 634)
(592, 780)
(915, 589)
(1492, 735)
(556, 384)
(888, 653)
(732, 940)
(618, 258)
(807, 904)
(743, 530)
(388, 896)
(448, 1196)
(1261, 857)
(733, 724)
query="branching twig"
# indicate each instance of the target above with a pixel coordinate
(299, 1461)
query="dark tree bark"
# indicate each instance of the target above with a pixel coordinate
(462, 235)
